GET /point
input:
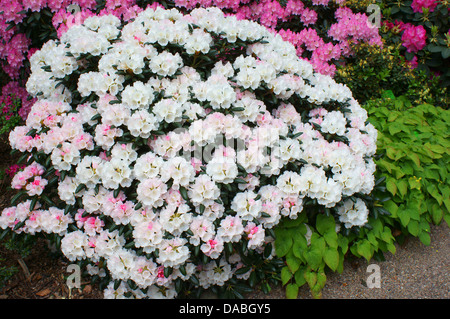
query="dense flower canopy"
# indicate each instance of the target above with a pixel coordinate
(166, 142)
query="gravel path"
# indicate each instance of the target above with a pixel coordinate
(415, 271)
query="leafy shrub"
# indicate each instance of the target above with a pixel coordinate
(9, 117)
(319, 241)
(411, 192)
(161, 161)
(6, 272)
(371, 70)
(14, 106)
(422, 27)
(415, 143)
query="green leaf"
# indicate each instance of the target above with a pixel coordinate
(331, 258)
(364, 248)
(391, 186)
(436, 214)
(321, 281)
(183, 193)
(325, 224)
(404, 217)
(286, 275)
(415, 158)
(447, 219)
(300, 276)
(291, 291)
(331, 238)
(311, 278)
(445, 53)
(413, 227)
(313, 258)
(395, 128)
(388, 94)
(391, 207)
(386, 235)
(435, 48)
(242, 270)
(433, 191)
(402, 186)
(240, 181)
(292, 262)
(343, 243)
(425, 238)
(17, 196)
(283, 243)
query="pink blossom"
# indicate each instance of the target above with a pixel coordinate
(308, 17)
(34, 5)
(419, 5)
(10, 11)
(414, 38)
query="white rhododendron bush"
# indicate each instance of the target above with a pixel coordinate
(162, 152)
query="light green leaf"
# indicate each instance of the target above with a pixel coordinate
(331, 238)
(402, 186)
(343, 243)
(437, 214)
(283, 243)
(425, 238)
(292, 262)
(325, 223)
(291, 291)
(433, 191)
(331, 258)
(394, 128)
(286, 275)
(300, 276)
(386, 235)
(415, 158)
(391, 207)
(299, 246)
(404, 217)
(318, 243)
(364, 248)
(391, 185)
(313, 258)
(311, 278)
(413, 227)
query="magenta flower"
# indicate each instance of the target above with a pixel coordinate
(414, 38)
(418, 5)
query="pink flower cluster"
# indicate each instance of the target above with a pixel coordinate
(10, 93)
(353, 27)
(14, 169)
(419, 5)
(30, 179)
(414, 38)
(349, 27)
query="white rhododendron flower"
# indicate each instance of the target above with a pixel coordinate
(163, 151)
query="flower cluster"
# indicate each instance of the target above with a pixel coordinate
(17, 47)
(420, 5)
(169, 157)
(414, 38)
(350, 27)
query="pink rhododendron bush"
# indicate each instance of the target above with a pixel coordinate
(162, 152)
